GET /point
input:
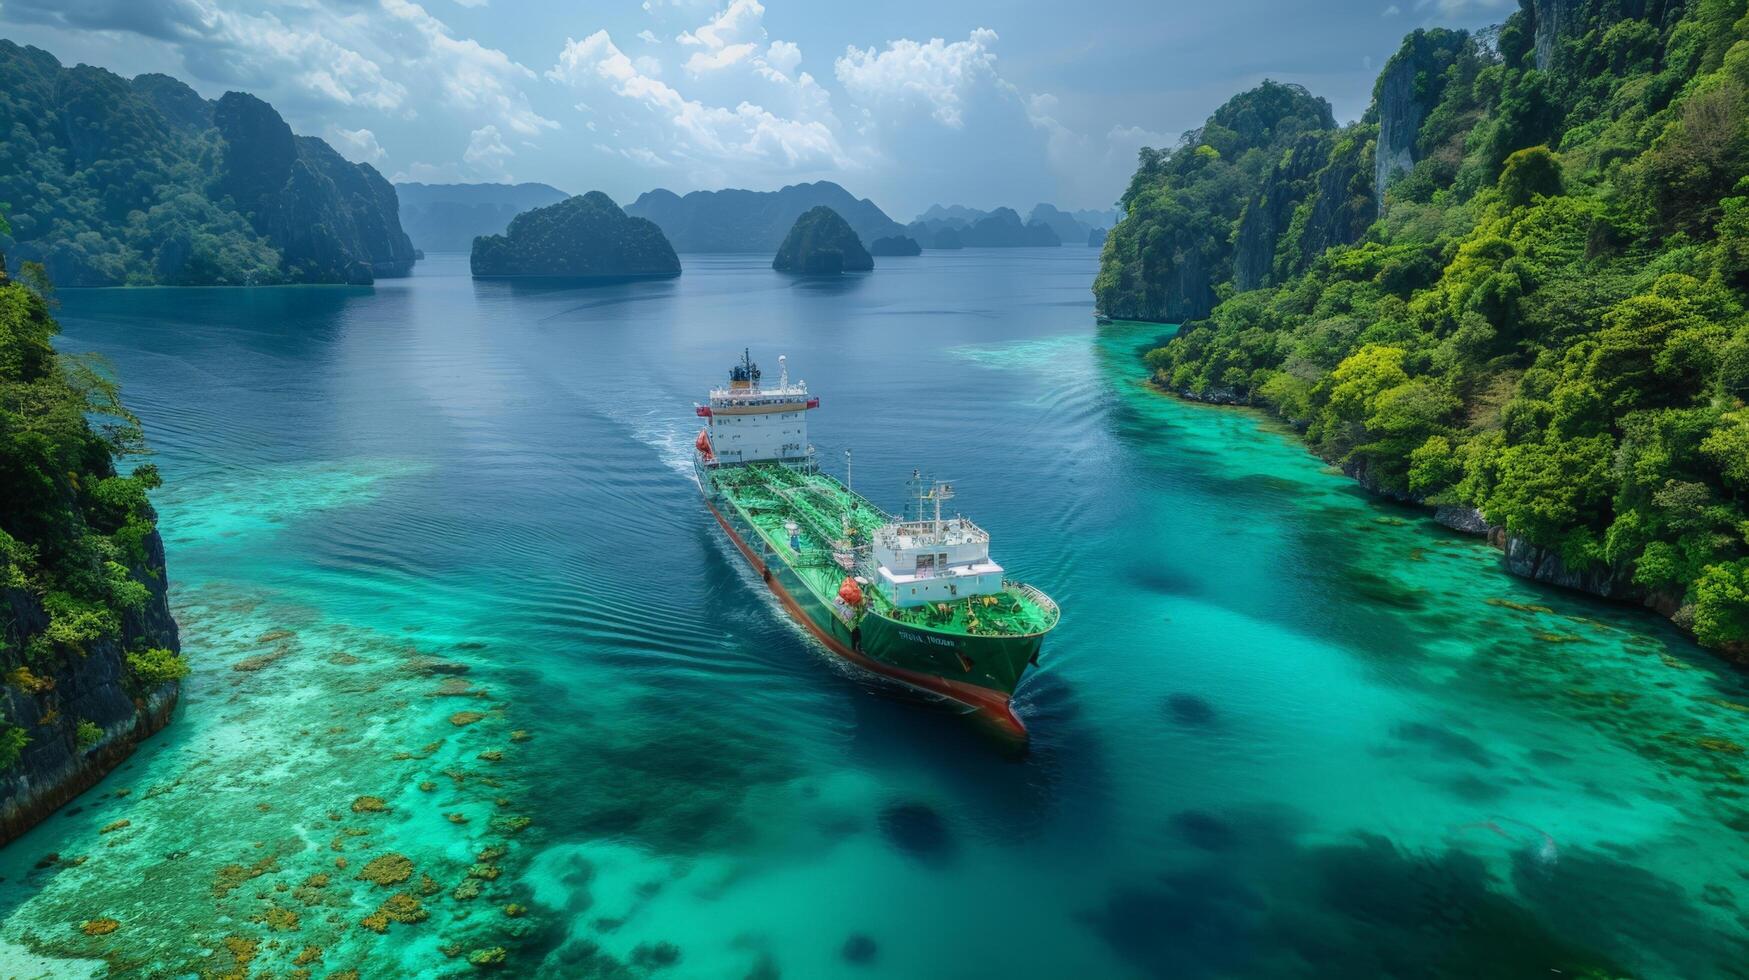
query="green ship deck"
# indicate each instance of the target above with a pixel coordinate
(834, 528)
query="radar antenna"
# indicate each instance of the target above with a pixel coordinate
(929, 490)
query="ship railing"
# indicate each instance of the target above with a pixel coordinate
(749, 394)
(1033, 595)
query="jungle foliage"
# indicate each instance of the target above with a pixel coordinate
(1547, 322)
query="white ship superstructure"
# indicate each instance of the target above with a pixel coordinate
(926, 561)
(748, 423)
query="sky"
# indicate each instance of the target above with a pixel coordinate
(909, 102)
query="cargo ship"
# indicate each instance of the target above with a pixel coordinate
(918, 601)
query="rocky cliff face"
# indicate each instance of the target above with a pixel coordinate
(1271, 210)
(53, 767)
(1344, 203)
(1189, 287)
(1408, 88)
(334, 221)
(1552, 18)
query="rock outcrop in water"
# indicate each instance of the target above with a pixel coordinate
(115, 182)
(584, 237)
(88, 650)
(332, 220)
(822, 243)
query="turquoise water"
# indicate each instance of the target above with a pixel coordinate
(434, 543)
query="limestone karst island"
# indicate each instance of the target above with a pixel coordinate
(744, 488)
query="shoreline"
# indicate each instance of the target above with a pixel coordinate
(1518, 556)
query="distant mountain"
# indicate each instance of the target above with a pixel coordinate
(447, 217)
(584, 237)
(972, 227)
(1106, 219)
(114, 182)
(754, 221)
(1069, 229)
(952, 215)
(1074, 227)
(943, 238)
(821, 243)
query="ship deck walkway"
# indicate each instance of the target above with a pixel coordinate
(833, 522)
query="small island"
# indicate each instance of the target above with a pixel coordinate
(583, 237)
(895, 245)
(822, 243)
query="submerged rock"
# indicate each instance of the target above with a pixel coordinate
(917, 830)
(1190, 709)
(859, 949)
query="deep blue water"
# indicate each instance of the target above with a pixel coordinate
(1283, 730)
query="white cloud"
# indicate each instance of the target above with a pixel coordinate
(487, 152)
(663, 126)
(648, 36)
(1392, 11)
(357, 145)
(784, 56)
(730, 38)
(470, 75)
(740, 21)
(472, 3)
(935, 73)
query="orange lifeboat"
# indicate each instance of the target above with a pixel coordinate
(850, 592)
(703, 445)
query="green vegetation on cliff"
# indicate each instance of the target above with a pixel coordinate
(822, 243)
(127, 182)
(81, 566)
(585, 237)
(1546, 322)
(1168, 259)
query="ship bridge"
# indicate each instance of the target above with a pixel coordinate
(747, 422)
(928, 561)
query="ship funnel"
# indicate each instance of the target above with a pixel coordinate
(783, 371)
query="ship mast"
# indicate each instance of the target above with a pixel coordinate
(941, 491)
(937, 491)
